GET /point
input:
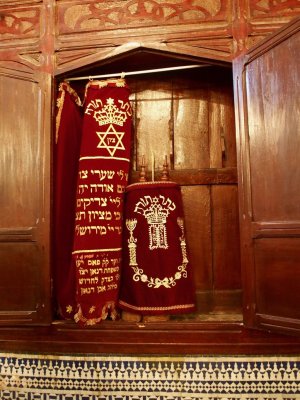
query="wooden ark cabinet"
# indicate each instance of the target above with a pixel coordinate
(230, 132)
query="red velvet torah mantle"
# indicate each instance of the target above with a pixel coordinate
(156, 275)
(102, 178)
(67, 147)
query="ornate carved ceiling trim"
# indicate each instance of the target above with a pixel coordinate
(80, 16)
(19, 23)
(266, 9)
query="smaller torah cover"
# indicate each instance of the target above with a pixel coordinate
(102, 178)
(156, 275)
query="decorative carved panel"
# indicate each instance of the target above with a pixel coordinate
(90, 16)
(19, 23)
(274, 8)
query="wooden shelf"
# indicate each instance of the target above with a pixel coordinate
(204, 338)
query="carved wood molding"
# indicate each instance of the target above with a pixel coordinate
(216, 48)
(63, 58)
(13, 64)
(18, 2)
(68, 61)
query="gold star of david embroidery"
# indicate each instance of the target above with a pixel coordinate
(111, 140)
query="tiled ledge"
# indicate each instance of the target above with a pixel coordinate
(53, 377)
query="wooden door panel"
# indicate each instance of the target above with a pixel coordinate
(268, 137)
(25, 194)
(273, 88)
(19, 162)
(277, 277)
(20, 276)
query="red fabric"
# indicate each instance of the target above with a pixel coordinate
(156, 275)
(102, 177)
(68, 136)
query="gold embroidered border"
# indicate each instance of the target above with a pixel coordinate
(151, 183)
(63, 88)
(72, 92)
(108, 307)
(59, 103)
(105, 157)
(96, 250)
(178, 306)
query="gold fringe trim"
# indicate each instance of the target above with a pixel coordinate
(168, 308)
(119, 82)
(59, 103)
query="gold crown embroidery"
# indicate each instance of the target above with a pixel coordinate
(110, 114)
(156, 210)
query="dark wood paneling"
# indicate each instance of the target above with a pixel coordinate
(190, 126)
(152, 121)
(273, 115)
(25, 193)
(197, 209)
(20, 291)
(19, 159)
(189, 117)
(225, 238)
(267, 82)
(148, 338)
(277, 275)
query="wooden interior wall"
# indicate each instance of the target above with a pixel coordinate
(189, 119)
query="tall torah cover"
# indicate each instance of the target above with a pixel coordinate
(67, 147)
(102, 178)
(156, 275)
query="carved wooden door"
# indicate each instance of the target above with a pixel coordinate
(268, 142)
(25, 192)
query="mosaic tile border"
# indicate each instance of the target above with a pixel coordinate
(49, 377)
